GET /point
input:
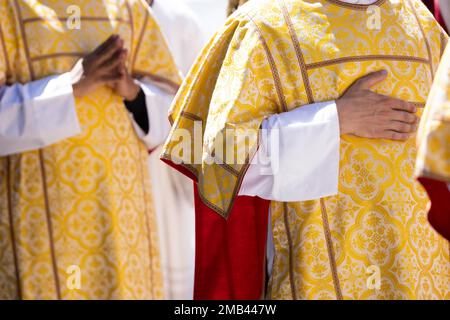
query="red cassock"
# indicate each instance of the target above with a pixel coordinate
(230, 253)
(439, 214)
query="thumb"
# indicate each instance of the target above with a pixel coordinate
(110, 82)
(368, 81)
(123, 70)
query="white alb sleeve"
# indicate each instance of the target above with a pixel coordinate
(37, 114)
(158, 99)
(298, 156)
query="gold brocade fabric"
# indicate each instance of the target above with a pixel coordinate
(433, 159)
(76, 218)
(372, 240)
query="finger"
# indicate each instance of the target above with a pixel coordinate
(397, 104)
(368, 81)
(402, 127)
(404, 116)
(404, 106)
(111, 84)
(122, 69)
(125, 55)
(393, 135)
(110, 51)
(418, 105)
(123, 64)
(111, 79)
(106, 44)
(113, 63)
(111, 70)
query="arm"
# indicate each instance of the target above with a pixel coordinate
(282, 172)
(40, 113)
(37, 114)
(150, 112)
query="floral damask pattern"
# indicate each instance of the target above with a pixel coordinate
(302, 52)
(85, 201)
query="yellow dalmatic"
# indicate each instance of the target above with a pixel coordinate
(433, 159)
(371, 241)
(76, 218)
(434, 132)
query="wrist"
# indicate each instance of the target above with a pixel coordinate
(79, 89)
(133, 92)
(80, 83)
(82, 87)
(345, 126)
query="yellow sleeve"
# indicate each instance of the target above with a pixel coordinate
(433, 159)
(150, 54)
(218, 112)
(435, 36)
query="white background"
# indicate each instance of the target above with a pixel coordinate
(211, 14)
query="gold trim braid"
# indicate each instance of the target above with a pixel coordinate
(331, 255)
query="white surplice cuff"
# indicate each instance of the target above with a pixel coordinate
(37, 114)
(298, 157)
(158, 100)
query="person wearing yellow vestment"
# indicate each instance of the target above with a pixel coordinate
(433, 159)
(346, 214)
(76, 214)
